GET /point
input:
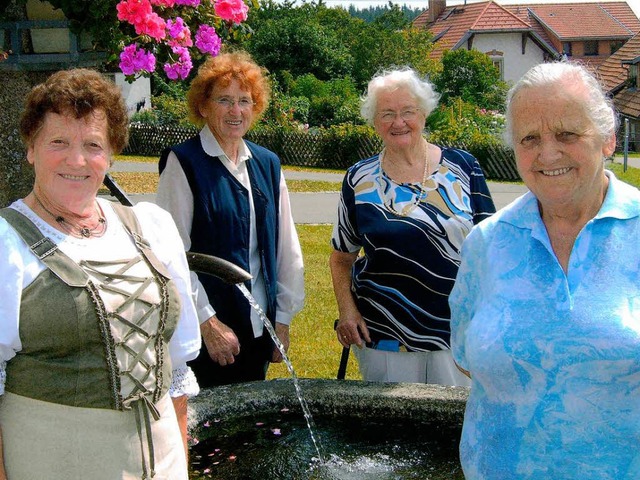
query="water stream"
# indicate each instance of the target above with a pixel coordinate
(303, 403)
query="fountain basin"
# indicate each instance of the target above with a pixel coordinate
(431, 416)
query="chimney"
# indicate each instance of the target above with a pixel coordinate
(436, 7)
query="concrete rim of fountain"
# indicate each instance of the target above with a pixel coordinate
(334, 398)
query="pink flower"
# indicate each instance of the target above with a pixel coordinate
(179, 69)
(134, 60)
(133, 11)
(190, 3)
(207, 40)
(163, 3)
(231, 10)
(179, 32)
(153, 25)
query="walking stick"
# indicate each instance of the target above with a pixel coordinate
(344, 358)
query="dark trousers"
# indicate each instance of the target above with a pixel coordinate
(251, 364)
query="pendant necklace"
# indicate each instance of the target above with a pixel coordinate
(77, 232)
(387, 200)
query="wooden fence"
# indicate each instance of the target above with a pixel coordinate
(322, 150)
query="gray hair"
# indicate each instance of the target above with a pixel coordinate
(599, 107)
(389, 80)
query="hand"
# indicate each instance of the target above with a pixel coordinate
(352, 329)
(282, 332)
(220, 340)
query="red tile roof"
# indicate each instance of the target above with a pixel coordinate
(612, 73)
(627, 102)
(567, 21)
(455, 24)
(578, 21)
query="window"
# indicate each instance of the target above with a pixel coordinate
(499, 64)
(591, 47)
(566, 48)
(633, 75)
(615, 46)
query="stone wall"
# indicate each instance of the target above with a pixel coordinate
(16, 175)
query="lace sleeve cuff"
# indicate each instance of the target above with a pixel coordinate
(184, 383)
(3, 376)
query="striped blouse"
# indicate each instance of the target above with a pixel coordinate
(402, 281)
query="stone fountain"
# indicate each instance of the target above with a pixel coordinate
(435, 411)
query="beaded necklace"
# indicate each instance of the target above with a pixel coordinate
(387, 200)
(77, 232)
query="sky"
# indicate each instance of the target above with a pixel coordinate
(634, 4)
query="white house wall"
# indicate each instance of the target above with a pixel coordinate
(515, 64)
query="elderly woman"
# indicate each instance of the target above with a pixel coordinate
(96, 309)
(408, 209)
(229, 199)
(546, 307)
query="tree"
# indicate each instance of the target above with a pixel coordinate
(471, 76)
(295, 41)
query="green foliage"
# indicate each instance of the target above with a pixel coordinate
(331, 102)
(297, 42)
(284, 111)
(166, 110)
(329, 43)
(470, 75)
(371, 13)
(464, 125)
(347, 144)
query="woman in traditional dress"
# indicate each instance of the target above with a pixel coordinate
(96, 318)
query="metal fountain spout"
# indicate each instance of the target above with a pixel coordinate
(226, 271)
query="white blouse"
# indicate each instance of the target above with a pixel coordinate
(19, 267)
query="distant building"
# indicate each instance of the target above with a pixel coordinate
(517, 37)
(621, 77)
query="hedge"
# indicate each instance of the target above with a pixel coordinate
(336, 147)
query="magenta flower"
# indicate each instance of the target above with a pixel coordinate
(179, 33)
(179, 69)
(158, 28)
(231, 10)
(134, 60)
(207, 40)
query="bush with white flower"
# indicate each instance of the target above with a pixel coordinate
(175, 32)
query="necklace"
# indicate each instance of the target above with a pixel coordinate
(388, 201)
(78, 232)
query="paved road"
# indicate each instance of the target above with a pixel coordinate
(314, 208)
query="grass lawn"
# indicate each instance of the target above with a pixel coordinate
(315, 351)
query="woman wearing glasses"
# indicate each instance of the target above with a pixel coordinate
(229, 199)
(408, 209)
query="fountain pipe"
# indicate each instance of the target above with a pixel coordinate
(198, 262)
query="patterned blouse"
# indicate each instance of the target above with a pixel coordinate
(402, 281)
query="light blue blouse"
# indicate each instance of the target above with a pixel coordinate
(554, 358)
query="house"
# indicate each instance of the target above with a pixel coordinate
(517, 37)
(620, 76)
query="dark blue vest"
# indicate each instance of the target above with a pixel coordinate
(221, 224)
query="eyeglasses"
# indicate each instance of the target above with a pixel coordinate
(229, 103)
(389, 116)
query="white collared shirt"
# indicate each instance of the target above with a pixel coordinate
(175, 196)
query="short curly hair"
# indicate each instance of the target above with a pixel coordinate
(220, 71)
(389, 80)
(77, 92)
